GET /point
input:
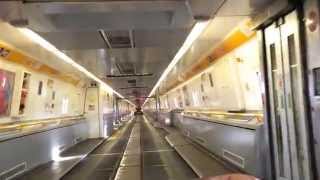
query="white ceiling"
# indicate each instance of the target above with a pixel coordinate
(231, 14)
(156, 28)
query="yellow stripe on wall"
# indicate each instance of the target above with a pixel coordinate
(234, 40)
(19, 58)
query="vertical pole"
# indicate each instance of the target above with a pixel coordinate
(117, 110)
(157, 104)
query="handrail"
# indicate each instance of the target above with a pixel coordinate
(23, 128)
(206, 111)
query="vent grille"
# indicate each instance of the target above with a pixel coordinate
(234, 158)
(78, 139)
(125, 67)
(14, 171)
(119, 39)
(132, 81)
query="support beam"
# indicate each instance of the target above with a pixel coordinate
(131, 38)
(105, 38)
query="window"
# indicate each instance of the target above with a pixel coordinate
(24, 92)
(210, 79)
(203, 78)
(40, 87)
(277, 107)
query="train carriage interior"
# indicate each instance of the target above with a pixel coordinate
(159, 89)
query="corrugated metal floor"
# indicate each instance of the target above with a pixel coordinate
(160, 161)
(103, 162)
(137, 151)
(55, 169)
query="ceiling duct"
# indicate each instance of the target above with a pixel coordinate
(132, 81)
(130, 75)
(125, 67)
(136, 87)
(120, 39)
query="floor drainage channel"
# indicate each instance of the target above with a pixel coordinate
(130, 165)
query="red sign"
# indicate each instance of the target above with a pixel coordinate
(312, 21)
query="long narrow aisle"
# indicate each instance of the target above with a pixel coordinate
(130, 166)
(160, 160)
(138, 151)
(103, 162)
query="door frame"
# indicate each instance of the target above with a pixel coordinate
(269, 141)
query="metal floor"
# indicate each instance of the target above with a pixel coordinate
(160, 160)
(103, 162)
(155, 159)
(54, 170)
(138, 151)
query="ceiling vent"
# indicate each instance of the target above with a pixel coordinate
(125, 67)
(118, 39)
(132, 81)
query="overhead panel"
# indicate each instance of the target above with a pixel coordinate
(119, 39)
(229, 15)
(204, 9)
(107, 14)
(125, 37)
(80, 40)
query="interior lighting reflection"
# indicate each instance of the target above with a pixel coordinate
(193, 35)
(51, 48)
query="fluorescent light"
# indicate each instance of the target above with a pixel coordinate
(48, 46)
(193, 35)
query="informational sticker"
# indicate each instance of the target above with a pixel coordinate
(312, 21)
(4, 52)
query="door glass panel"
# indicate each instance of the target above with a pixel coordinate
(277, 115)
(316, 81)
(295, 88)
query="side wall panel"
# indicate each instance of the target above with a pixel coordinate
(39, 148)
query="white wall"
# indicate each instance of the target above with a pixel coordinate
(35, 105)
(236, 83)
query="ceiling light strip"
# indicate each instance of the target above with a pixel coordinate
(193, 35)
(51, 48)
